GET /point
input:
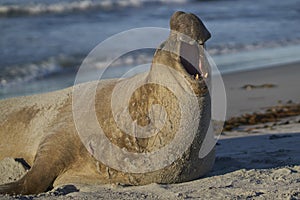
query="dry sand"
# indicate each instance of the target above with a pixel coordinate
(263, 163)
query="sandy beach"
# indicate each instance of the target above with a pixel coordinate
(45, 44)
(253, 162)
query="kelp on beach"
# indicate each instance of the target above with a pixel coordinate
(271, 114)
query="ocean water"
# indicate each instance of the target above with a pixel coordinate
(43, 42)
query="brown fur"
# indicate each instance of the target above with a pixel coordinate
(41, 128)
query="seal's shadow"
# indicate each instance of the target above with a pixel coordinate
(256, 152)
(64, 190)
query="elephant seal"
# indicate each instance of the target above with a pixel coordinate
(42, 129)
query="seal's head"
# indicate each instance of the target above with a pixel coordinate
(189, 25)
(190, 34)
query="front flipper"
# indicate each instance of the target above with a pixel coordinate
(54, 155)
(38, 179)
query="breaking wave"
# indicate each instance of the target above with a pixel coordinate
(37, 8)
(17, 74)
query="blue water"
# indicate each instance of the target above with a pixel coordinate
(43, 42)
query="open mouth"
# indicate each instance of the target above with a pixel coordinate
(192, 59)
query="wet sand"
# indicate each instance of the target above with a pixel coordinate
(282, 84)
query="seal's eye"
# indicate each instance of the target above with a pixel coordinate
(189, 58)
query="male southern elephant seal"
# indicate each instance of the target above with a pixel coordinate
(41, 129)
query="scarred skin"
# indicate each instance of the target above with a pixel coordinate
(41, 129)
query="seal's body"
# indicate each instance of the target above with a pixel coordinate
(41, 129)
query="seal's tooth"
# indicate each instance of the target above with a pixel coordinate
(205, 75)
(192, 42)
(197, 76)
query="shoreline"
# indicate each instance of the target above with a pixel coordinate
(230, 79)
(257, 59)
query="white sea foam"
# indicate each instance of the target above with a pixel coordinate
(11, 75)
(61, 7)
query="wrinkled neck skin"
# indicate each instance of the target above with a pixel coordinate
(167, 65)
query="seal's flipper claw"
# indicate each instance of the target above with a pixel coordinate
(11, 188)
(19, 187)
